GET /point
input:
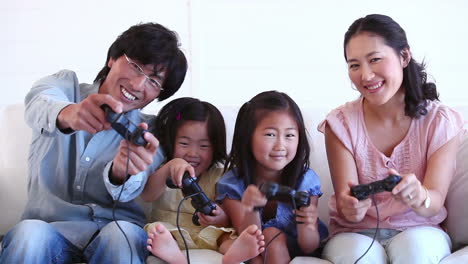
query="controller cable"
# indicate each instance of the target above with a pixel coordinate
(376, 230)
(118, 198)
(178, 226)
(279, 233)
(268, 244)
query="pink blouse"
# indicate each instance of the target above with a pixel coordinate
(425, 136)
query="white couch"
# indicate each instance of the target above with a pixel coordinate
(16, 136)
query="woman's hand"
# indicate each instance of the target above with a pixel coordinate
(350, 207)
(409, 190)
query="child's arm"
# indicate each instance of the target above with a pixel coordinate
(308, 236)
(156, 184)
(242, 213)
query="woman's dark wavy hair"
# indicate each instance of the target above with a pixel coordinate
(417, 89)
(174, 114)
(250, 114)
(151, 43)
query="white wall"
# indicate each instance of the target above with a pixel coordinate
(236, 48)
(39, 38)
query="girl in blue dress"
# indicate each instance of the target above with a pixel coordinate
(270, 145)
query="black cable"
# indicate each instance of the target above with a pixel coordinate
(268, 244)
(118, 199)
(376, 230)
(275, 236)
(178, 226)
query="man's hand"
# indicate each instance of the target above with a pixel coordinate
(138, 157)
(88, 115)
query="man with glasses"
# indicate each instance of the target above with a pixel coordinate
(82, 174)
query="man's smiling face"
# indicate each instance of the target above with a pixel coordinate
(128, 83)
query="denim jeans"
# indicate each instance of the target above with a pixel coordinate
(35, 241)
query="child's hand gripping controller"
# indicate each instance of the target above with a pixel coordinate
(362, 191)
(125, 127)
(274, 191)
(200, 201)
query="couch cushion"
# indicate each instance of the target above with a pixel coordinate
(457, 207)
(461, 256)
(15, 137)
(201, 256)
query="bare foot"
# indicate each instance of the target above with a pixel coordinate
(248, 245)
(161, 244)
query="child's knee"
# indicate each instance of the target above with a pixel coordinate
(275, 237)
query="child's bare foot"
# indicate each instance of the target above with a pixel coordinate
(248, 245)
(161, 244)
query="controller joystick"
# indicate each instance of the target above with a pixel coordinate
(200, 201)
(362, 191)
(125, 127)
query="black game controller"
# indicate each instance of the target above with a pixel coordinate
(200, 201)
(362, 191)
(125, 127)
(274, 191)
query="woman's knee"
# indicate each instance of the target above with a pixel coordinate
(348, 247)
(419, 245)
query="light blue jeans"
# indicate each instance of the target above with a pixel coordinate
(35, 241)
(415, 245)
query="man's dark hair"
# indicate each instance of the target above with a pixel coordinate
(151, 43)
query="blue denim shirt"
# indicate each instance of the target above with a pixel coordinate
(68, 173)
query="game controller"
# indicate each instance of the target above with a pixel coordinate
(362, 191)
(125, 127)
(200, 201)
(274, 191)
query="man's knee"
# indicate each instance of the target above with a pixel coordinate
(111, 245)
(113, 234)
(28, 232)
